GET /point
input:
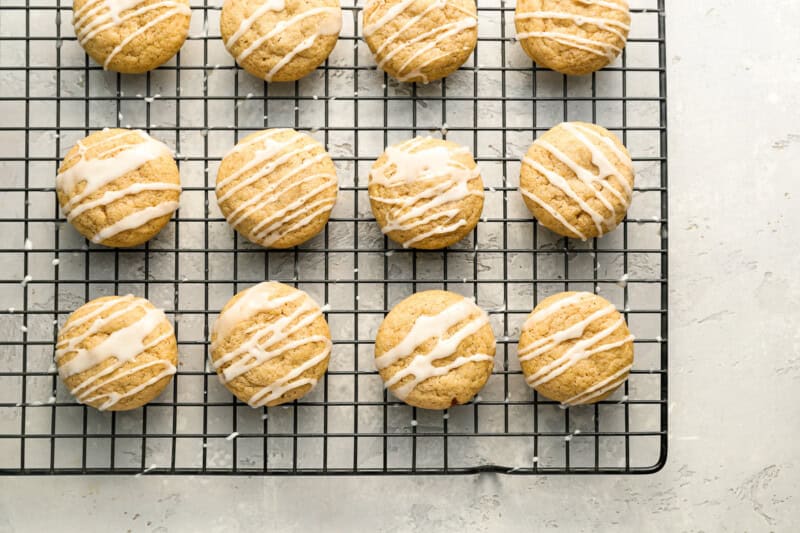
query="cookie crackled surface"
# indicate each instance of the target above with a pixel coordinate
(426, 193)
(118, 187)
(574, 37)
(577, 180)
(270, 344)
(575, 348)
(280, 40)
(131, 36)
(420, 40)
(116, 352)
(435, 349)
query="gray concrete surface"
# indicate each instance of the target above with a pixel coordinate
(734, 70)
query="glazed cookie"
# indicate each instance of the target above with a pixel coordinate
(277, 187)
(426, 193)
(573, 36)
(577, 180)
(270, 344)
(118, 187)
(131, 36)
(116, 352)
(435, 349)
(280, 40)
(575, 348)
(420, 40)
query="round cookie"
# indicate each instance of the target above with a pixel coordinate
(575, 348)
(426, 193)
(420, 40)
(435, 349)
(277, 187)
(118, 187)
(131, 36)
(574, 37)
(280, 40)
(577, 180)
(270, 344)
(116, 352)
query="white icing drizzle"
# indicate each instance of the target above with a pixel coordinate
(427, 41)
(265, 342)
(551, 309)
(609, 25)
(305, 44)
(594, 46)
(598, 183)
(246, 24)
(580, 350)
(123, 346)
(390, 14)
(96, 16)
(330, 24)
(428, 327)
(600, 388)
(267, 159)
(111, 196)
(563, 185)
(623, 7)
(607, 50)
(135, 219)
(555, 214)
(447, 182)
(99, 171)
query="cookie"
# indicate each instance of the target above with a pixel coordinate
(131, 36)
(280, 40)
(426, 193)
(270, 344)
(277, 187)
(435, 349)
(575, 348)
(574, 37)
(118, 187)
(116, 352)
(577, 180)
(420, 40)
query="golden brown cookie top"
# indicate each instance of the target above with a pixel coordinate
(575, 348)
(280, 40)
(420, 40)
(577, 179)
(118, 187)
(573, 36)
(131, 36)
(270, 344)
(116, 352)
(277, 187)
(435, 349)
(426, 193)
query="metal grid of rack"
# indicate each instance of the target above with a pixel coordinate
(200, 103)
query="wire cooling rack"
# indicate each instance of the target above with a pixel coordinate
(199, 103)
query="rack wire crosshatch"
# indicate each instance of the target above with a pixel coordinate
(200, 103)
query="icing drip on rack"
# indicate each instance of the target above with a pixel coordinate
(329, 23)
(428, 327)
(97, 16)
(270, 156)
(598, 183)
(123, 346)
(594, 46)
(424, 45)
(267, 341)
(106, 166)
(581, 349)
(446, 182)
